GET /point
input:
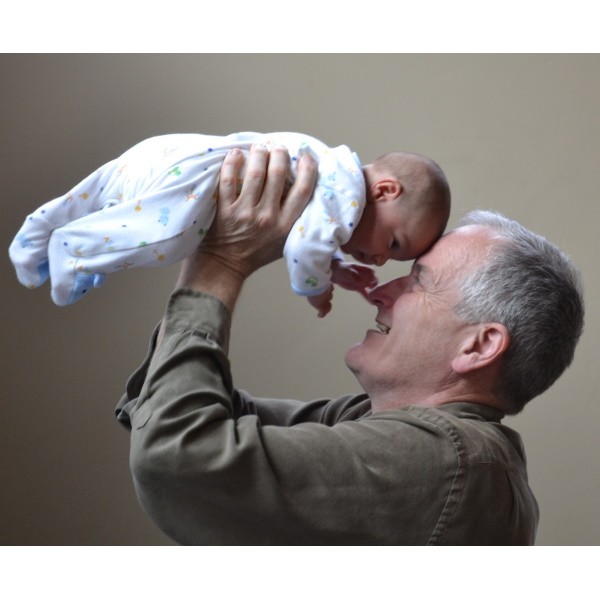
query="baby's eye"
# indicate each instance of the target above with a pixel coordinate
(395, 245)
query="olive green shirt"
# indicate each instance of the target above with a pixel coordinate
(213, 465)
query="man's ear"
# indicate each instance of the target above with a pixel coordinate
(484, 345)
(386, 189)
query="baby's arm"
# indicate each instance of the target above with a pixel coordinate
(325, 225)
(352, 276)
(322, 302)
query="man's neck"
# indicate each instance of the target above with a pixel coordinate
(381, 402)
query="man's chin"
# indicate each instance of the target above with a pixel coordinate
(352, 357)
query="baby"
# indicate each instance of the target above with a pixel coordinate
(153, 205)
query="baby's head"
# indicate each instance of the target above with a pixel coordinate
(407, 209)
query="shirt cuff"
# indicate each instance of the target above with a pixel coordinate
(189, 309)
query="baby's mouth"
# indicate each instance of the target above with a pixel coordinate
(383, 328)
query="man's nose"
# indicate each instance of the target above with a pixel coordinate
(387, 293)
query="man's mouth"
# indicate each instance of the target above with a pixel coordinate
(383, 328)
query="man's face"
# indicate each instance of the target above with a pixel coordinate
(409, 357)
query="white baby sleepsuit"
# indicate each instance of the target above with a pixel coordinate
(153, 204)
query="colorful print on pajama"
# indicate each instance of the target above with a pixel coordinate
(153, 205)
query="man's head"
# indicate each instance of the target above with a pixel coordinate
(408, 205)
(532, 288)
(491, 313)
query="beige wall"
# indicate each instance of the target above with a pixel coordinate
(520, 134)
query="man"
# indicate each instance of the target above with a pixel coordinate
(420, 458)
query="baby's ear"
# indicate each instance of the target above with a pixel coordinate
(386, 189)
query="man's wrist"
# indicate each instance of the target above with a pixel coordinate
(206, 272)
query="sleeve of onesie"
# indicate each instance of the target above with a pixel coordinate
(327, 222)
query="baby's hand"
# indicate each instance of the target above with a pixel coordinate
(352, 276)
(322, 302)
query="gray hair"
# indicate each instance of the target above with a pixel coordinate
(532, 288)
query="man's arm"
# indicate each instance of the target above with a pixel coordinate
(209, 473)
(249, 231)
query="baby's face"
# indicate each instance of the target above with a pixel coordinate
(387, 231)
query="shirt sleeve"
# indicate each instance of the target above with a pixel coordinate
(214, 466)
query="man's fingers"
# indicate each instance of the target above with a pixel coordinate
(261, 198)
(277, 175)
(229, 176)
(256, 171)
(302, 190)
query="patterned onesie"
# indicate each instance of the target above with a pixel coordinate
(152, 206)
